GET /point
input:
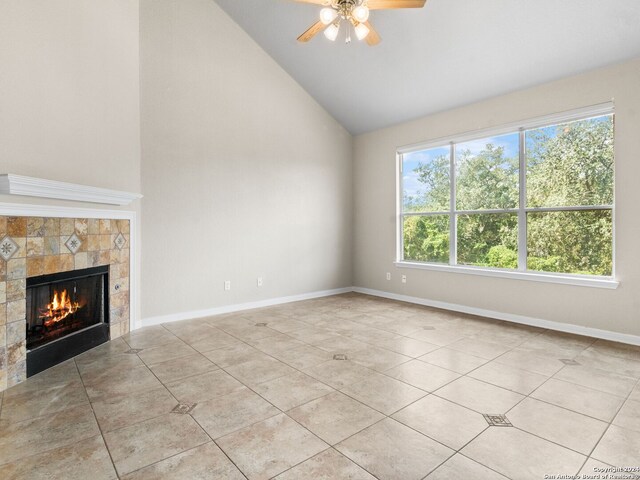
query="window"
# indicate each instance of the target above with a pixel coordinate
(535, 198)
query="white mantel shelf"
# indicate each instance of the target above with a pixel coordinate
(39, 187)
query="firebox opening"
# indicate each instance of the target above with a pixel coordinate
(67, 313)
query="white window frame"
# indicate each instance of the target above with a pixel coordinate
(521, 273)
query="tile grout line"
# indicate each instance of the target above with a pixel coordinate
(561, 407)
(528, 396)
(497, 386)
(385, 415)
(211, 440)
(613, 418)
(266, 400)
(320, 381)
(194, 419)
(137, 392)
(418, 359)
(135, 422)
(558, 406)
(459, 451)
(282, 412)
(104, 440)
(568, 367)
(163, 414)
(330, 447)
(464, 375)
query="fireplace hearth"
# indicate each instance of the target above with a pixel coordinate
(67, 314)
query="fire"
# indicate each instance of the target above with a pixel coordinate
(59, 309)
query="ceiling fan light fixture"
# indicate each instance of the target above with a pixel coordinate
(331, 31)
(360, 13)
(354, 13)
(362, 31)
(328, 15)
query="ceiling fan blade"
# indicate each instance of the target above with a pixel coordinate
(373, 38)
(315, 29)
(315, 2)
(386, 4)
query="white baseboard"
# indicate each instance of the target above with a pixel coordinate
(509, 317)
(174, 317)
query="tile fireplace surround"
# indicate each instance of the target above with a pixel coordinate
(31, 246)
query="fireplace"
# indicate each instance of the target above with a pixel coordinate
(67, 314)
(34, 246)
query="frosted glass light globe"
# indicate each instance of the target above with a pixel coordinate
(361, 14)
(332, 32)
(362, 31)
(328, 15)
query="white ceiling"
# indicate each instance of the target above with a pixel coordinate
(450, 53)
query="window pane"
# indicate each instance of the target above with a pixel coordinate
(426, 180)
(488, 240)
(426, 239)
(578, 242)
(487, 173)
(571, 164)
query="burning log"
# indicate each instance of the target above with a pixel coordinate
(59, 309)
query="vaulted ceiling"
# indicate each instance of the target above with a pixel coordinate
(450, 53)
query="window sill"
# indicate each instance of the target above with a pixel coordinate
(579, 280)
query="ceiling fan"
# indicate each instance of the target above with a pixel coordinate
(353, 12)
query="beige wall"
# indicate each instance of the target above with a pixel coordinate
(70, 95)
(244, 174)
(375, 203)
(69, 91)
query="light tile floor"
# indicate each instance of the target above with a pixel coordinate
(259, 395)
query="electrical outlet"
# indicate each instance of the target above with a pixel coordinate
(227, 285)
(388, 275)
(404, 279)
(259, 282)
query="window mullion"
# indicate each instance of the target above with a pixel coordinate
(453, 220)
(400, 208)
(569, 208)
(522, 212)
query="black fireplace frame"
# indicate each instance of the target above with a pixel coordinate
(64, 348)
